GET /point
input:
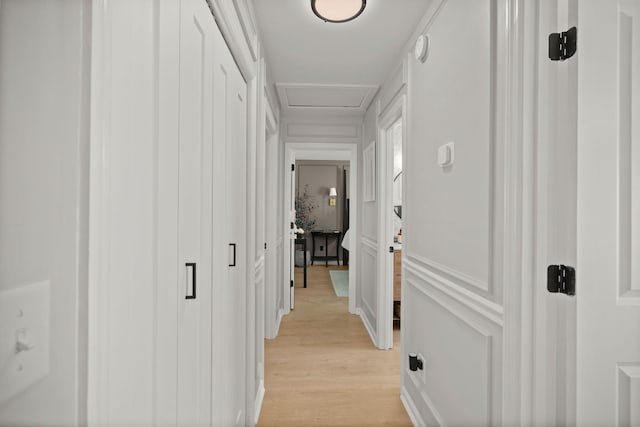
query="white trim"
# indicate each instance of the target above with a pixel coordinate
(369, 173)
(489, 310)
(273, 241)
(278, 322)
(471, 282)
(257, 406)
(397, 110)
(367, 325)
(98, 289)
(327, 151)
(411, 409)
(234, 30)
(517, 239)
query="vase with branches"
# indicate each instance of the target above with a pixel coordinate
(305, 205)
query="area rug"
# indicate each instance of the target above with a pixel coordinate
(340, 281)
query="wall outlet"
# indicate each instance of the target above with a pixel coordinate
(24, 338)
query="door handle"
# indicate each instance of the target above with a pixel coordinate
(233, 263)
(191, 284)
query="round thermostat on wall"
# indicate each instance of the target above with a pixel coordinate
(421, 49)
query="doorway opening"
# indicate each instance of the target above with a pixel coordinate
(322, 205)
(327, 217)
(391, 135)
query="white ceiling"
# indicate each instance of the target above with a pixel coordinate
(335, 61)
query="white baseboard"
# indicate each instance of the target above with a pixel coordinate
(411, 409)
(259, 401)
(368, 327)
(278, 321)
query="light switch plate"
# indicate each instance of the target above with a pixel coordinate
(446, 154)
(24, 338)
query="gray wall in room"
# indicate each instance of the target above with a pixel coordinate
(320, 176)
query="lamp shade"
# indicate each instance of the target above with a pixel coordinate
(333, 192)
(338, 10)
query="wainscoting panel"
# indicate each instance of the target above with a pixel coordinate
(368, 271)
(461, 349)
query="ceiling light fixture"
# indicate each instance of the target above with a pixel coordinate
(338, 10)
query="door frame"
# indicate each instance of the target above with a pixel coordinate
(271, 205)
(396, 111)
(324, 151)
(553, 317)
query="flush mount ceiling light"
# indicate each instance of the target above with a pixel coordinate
(338, 10)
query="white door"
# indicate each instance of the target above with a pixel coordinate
(195, 215)
(608, 206)
(229, 319)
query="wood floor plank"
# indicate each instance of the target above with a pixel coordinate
(323, 370)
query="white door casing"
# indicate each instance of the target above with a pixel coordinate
(384, 157)
(272, 305)
(322, 151)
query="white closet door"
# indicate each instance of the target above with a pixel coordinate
(195, 214)
(230, 112)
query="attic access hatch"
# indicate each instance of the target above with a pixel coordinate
(329, 98)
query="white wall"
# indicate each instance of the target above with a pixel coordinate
(43, 190)
(457, 221)
(368, 289)
(448, 224)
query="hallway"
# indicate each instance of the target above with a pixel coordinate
(322, 370)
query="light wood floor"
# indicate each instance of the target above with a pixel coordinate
(323, 370)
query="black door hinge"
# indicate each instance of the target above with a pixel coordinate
(562, 279)
(291, 283)
(293, 168)
(563, 45)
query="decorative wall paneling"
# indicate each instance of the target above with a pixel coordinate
(462, 351)
(234, 18)
(368, 297)
(463, 236)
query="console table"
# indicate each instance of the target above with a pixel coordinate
(326, 234)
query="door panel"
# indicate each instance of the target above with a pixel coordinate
(194, 216)
(230, 112)
(608, 285)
